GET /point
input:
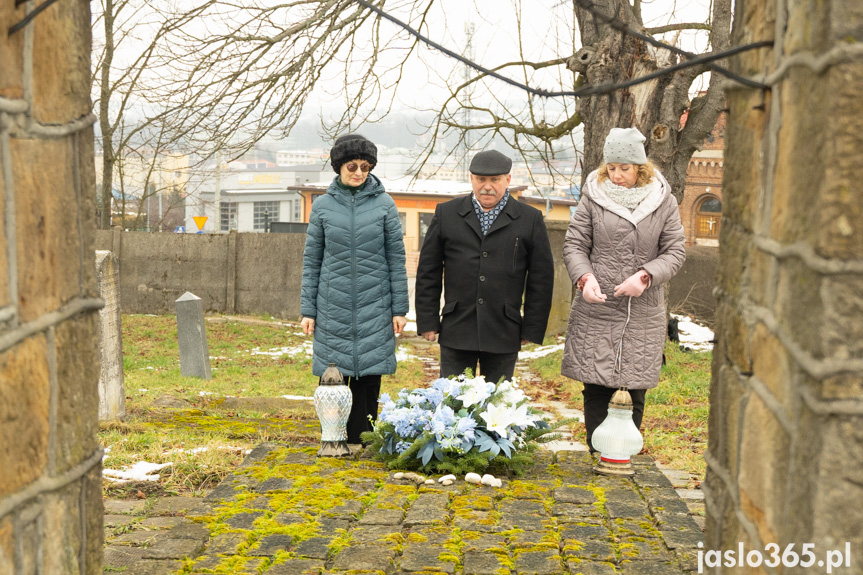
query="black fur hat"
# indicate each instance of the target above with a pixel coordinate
(352, 147)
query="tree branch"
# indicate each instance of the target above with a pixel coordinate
(674, 27)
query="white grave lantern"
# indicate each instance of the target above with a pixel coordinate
(333, 404)
(617, 438)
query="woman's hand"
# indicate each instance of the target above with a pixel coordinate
(308, 324)
(399, 323)
(591, 292)
(634, 285)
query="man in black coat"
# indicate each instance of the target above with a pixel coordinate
(489, 251)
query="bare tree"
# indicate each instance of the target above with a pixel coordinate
(608, 56)
(134, 136)
(221, 77)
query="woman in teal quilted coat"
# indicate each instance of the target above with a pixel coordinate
(355, 294)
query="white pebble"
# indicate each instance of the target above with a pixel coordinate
(398, 475)
(488, 480)
(473, 478)
(429, 481)
(446, 482)
(449, 477)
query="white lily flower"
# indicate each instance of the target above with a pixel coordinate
(522, 418)
(478, 391)
(497, 419)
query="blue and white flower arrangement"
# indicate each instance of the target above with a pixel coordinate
(457, 426)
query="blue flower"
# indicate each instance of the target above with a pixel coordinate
(416, 398)
(433, 395)
(386, 402)
(442, 419)
(465, 427)
(402, 446)
(446, 386)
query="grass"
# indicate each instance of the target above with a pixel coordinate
(675, 414)
(204, 441)
(247, 360)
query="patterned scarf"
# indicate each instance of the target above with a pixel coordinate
(486, 219)
(629, 198)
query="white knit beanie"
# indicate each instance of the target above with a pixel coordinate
(624, 146)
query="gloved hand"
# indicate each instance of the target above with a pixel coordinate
(634, 285)
(591, 292)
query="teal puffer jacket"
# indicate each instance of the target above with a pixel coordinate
(354, 279)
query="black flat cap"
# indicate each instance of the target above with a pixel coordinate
(490, 163)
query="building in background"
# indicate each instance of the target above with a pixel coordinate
(248, 200)
(701, 208)
(149, 189)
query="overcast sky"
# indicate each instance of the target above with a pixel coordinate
(547, 32)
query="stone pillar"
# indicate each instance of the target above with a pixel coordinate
(50, 459)
(112, 395)
(785, 454)
(192, 337)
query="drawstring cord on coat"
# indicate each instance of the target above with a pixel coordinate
(618, 361)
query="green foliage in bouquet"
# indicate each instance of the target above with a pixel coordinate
(459, 425)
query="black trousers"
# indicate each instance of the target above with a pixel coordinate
(365, 392)
(492, 366)
(596, 398)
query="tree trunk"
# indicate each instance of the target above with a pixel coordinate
(104, 119)
(654, 107)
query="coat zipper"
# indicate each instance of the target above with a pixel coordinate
(354, 280)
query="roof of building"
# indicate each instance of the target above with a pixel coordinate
(408, 186)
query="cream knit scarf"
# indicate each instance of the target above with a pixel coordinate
(629, 198)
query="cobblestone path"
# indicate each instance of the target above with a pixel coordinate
(284, 511)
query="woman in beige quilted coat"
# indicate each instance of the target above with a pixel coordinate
(624, 241)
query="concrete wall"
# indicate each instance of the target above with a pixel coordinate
(50, 459)
(232, 273)
(262, 273)
(562, 297)
(785, 454)
(691, 290)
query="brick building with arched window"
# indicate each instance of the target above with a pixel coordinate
(701, 208)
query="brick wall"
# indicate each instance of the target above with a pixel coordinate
(785, 452)
(50, 460)
(703, 178)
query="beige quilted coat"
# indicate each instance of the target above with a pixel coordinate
(611, 242)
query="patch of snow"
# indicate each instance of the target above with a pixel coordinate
(141, 471)
(303, 348)
(298, 397)
(539, 352)
(692, 335)
(403, 355)
(203, 393)
(411, 326)
(203, 449)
